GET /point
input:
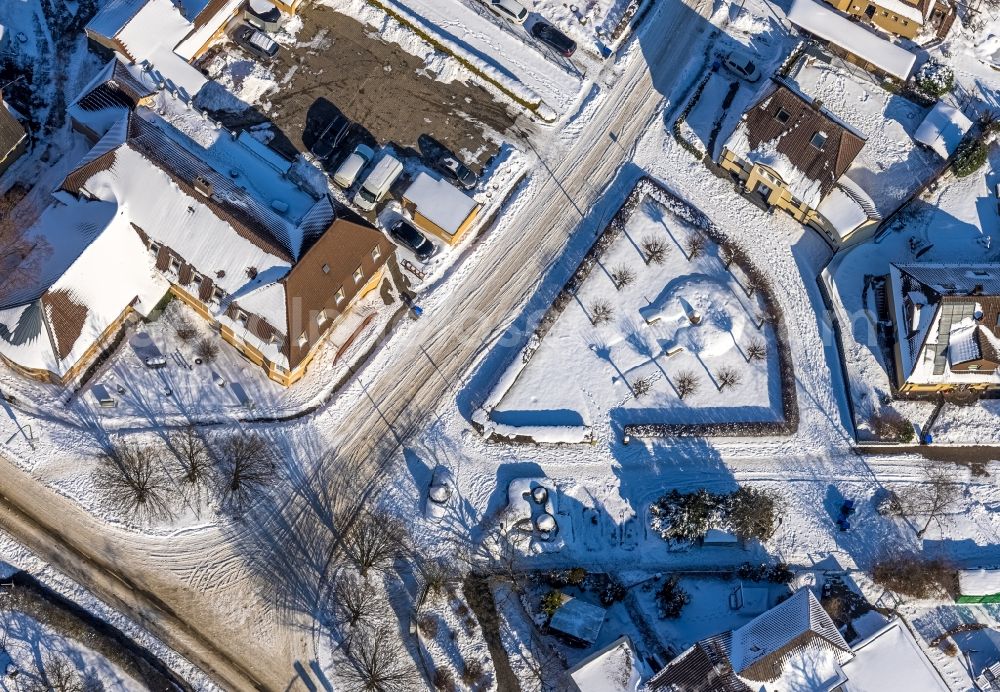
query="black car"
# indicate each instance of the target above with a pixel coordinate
(406, 235)
(330, 139)
(452, 168)
(255, 42)
(551, 36)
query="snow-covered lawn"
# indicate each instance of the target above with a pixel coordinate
(38, 653)
(681, 317)
(958, 219)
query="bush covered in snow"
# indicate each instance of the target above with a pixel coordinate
(551, 602)
(671, 599)
(887, 425)
(935, 78)
(778, 573)
(747, 513)
(970, 156)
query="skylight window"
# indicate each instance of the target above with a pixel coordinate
(782, 116)
(818, 140)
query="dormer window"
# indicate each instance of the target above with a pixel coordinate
(302, 340)
(358, 275)
(154, 249)
(175, 265)
(196, 279)
(339, 298)
(782, 116)
(322, 318)
(242, 318)
(217, 295)
(818, 140)
(376, 253)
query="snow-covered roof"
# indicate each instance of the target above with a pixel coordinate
(821, 21)
(109, 96)
(615, 668)
(937, 328)
(891, 166)
(979, 582)
(842, 212)
(578, 619)
(54, 330)
(11, 131)
(943, 129)
(795, 624)
(440, 202)
(891, 659)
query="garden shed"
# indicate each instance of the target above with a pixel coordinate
(440, 208)
(978, 586)
(578, 621)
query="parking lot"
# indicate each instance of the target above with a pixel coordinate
(376, 85)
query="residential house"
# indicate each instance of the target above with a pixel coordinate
(615, 668)
(946, 320)
(793, 646)
(905, 18)
(851, 40)
(829, 146)
(117, 90)
(266, 262)
(890, 659)
(440, 208)
(13, 138)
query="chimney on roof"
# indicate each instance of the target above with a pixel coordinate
(817, 104)
(977, 290)
(203, 186)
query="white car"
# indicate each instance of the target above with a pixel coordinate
(439, 494)
(741, 66)
(511, 10)
(352, 166)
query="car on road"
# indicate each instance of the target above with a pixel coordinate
(553, 38)
(407, 235)
(331, 137)
(351, 167)
(511, 10)
(257, 43)
(741, 66)
(439, 494)
(450, 167)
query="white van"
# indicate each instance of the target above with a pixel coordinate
(349, 170)
(378, 182)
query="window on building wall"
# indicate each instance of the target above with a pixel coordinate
(154, 249)
(302, 341)
(175, 265)
(376, 252)
(818, 140)
(339, 298)
(242, 318)
(196, 279)
(217, 295)
(782, 116)
(358, 275)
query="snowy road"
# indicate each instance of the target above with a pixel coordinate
(195, 589)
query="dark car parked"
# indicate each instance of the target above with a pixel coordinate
(404, 233)
(255, 42)
(332, 136)
(552, 37)
(442, 160)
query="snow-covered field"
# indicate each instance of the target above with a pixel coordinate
(680, 317)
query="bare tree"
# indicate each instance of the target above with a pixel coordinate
(754, 283)
(185, 330)
(727, 376)
(727, 254)
(207, 350)
(543, 664)
(438, 576)
(756, 349)
(355, 602)
(248, 468)
(622, 275)
(654, 250)
(56, 674)
(933, 498)
(694, 245)
(131, 479)
(377, 662)
(373, 540)
(192, 455)
(601, 311)
(686, 383)
(641, 386)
